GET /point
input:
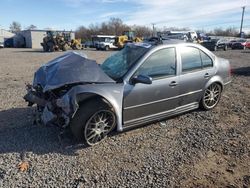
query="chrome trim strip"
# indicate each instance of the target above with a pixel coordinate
(162, 100)
(167, 113)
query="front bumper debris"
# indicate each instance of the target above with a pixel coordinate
(47, 112)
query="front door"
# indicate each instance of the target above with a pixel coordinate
(145, 102)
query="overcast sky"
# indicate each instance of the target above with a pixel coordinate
(69, 14)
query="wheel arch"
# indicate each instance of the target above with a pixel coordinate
(86, 96)
(213, 80)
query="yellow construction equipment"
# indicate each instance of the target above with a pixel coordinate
(127, 37)
(54, 41)
(75, 44)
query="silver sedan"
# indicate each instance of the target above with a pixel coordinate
(140, 84)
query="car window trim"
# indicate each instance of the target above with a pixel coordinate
(161, 77)
(197, 69)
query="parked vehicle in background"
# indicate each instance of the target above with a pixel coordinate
(54, 41)
(248, 44)
(239, 44)
(231, 42)
(104, 42)
(1, 45)
(140, 84)
(215, 44)
(88, 44)
(188, 36)
(126, 37)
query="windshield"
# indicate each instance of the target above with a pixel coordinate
(117, 65)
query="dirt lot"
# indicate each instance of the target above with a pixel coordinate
(196, 149)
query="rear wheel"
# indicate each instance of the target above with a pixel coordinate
(211, 96)
(51, 46)
(93, 122)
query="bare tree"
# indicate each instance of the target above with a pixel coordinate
(142, 31)
(15, 27)
(31, 27)
(117, 27)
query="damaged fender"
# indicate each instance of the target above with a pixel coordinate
(110, 92)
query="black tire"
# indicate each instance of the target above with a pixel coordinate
(82, 120)
(51, 46)
(210, 101)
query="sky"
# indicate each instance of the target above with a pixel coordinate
(70, 14)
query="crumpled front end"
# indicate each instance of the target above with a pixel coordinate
(53, 81)
(50, 108)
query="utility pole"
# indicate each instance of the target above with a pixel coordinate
(242, 18)
(153, 24)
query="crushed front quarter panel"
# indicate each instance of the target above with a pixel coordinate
(112, 93)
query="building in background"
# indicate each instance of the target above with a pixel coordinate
(33, 38)
(6, 37)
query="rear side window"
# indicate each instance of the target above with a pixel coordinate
(161, 63)
(191, 59)
(194, 59)
(206, 60)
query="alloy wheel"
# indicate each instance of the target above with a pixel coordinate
(212, 96)
(98, 126)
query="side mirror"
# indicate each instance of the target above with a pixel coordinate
(141, 79)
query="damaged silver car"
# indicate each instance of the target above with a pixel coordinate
(140, 84)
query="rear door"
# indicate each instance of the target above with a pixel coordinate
(196, 70)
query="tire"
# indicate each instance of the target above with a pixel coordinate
(65, 47)
(106, 48)
(51, 46)
(211, 97)
(95, 113)
(78, 46)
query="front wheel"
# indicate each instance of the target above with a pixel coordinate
(211, 96)
(107, 48)
(93, 121)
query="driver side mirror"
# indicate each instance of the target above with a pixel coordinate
(141, 79)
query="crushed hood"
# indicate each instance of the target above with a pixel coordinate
(68, 69)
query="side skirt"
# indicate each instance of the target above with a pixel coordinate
(156, 117)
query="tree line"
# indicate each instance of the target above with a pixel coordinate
(115, 26)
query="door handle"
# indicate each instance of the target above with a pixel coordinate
(173, 84)
(206, 75)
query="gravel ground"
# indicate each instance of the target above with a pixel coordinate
(196, 149)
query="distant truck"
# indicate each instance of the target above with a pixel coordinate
(104, 42)
(188, 36)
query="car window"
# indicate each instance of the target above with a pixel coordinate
(190, 58)
(206, 60)
(160, 64)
